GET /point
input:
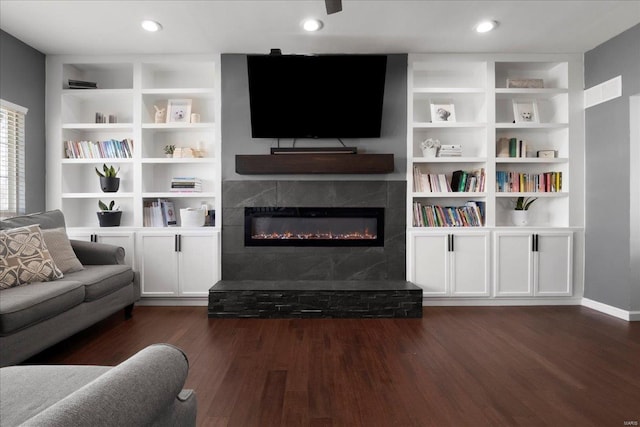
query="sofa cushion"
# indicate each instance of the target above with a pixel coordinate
(46, 220)
(25, 305)
(25, 391)
(101, 280)
(61, 251)
(25, 258)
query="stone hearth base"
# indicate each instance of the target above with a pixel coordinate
(314, 299)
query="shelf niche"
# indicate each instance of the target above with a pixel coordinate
(272, 164)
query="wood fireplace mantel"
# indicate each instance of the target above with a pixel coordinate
(315, 163)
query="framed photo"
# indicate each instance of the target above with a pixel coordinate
(525, 111)
(179, 111)
(443, 111)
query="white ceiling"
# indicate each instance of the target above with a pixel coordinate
(364, 26)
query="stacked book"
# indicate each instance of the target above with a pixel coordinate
(111, 149)
(160, 213)
(511, 147)
(515, 182)
(186, 184)
(471, 214)
(430, 182)
(81, 84)
(450, 150)
(468, 181)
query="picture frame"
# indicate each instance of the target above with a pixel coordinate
(525, 111)
(442, 111)
(178, 111)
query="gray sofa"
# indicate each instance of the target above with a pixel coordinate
(144, 390)
(38, 315)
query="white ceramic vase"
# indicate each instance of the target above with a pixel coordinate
(520, 218)
(429, 152)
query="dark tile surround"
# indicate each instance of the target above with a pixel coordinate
(314, 299)
(313, 263)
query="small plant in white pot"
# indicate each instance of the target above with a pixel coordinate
(169, 150)
(520, 215)
(430, 147)
(109, 215)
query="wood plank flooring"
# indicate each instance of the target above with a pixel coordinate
(457, 366)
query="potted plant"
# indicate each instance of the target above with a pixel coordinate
(108, 216)
(430, 147)
(169, 149)
(520, 215)
(108, 180)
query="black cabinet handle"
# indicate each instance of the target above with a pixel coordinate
(452, 240)
(176, 247)
(537, 243)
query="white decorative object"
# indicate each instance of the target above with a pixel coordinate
(159, 116)
(195, 118)
(191, 217)
(520, 217)
(430, 147)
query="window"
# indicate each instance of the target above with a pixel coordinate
(12, 121)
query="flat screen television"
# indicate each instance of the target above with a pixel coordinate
(316, 96)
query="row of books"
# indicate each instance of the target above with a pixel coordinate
(471, 214)
(461, 181)
(450, 150)
(159, 213)
(513, 182)
(186, 184)
(110, 149)
(511, 147)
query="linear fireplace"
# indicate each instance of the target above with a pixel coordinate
(298, 226)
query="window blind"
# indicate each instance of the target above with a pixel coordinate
(12, 154)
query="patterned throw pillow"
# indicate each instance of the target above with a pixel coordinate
(24, 258)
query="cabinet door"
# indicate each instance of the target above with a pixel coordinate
(554, 264)
(199, 269)
(431, 264)
(123, 239)
(470, 265)
(158, 263)
(513, 264)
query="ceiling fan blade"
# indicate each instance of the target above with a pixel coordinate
(333, 6)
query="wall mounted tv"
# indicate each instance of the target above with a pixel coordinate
(316, 96)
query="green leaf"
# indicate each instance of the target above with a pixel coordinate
(102, 206)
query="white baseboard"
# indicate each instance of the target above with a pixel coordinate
(630, 316)
(191, 301)
(485, 302)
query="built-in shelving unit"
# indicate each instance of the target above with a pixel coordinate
(486, 111)
(128, 91)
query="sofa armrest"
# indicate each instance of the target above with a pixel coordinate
(93, 253)
(133, 393)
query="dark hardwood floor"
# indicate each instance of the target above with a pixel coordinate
(457, 366)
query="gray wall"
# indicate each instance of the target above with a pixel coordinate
(22, 82)
(236, 125)
(609, 195)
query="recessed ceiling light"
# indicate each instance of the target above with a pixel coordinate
(486, 26)
(312, 24)
(151, 26)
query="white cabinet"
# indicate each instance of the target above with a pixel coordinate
(450, 264)
(529, 263)
(125, 239)
(178, 263)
